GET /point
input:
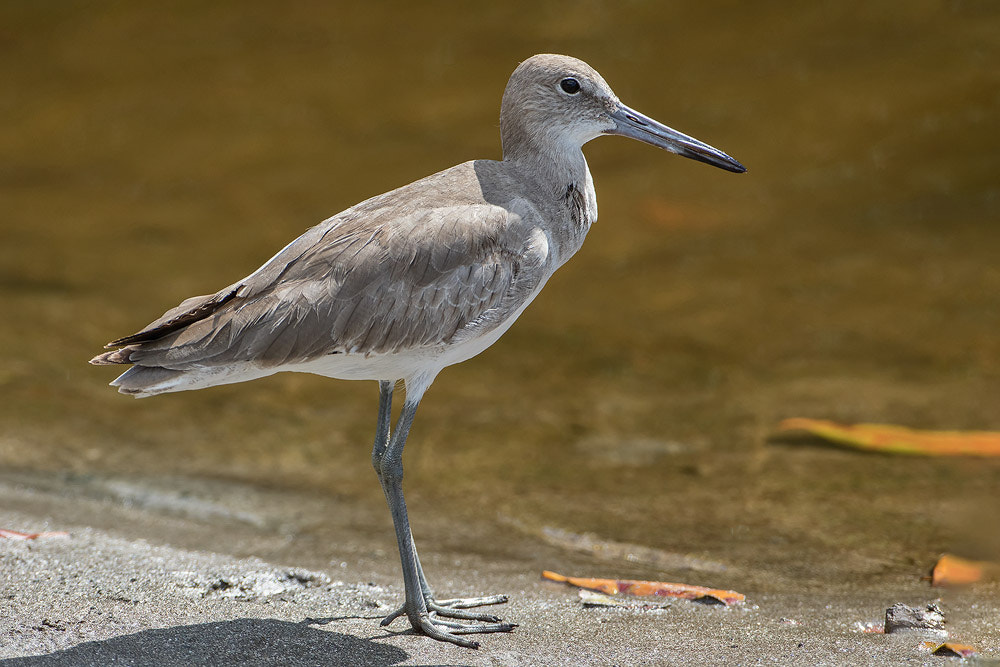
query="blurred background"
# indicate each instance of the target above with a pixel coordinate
(149, 153)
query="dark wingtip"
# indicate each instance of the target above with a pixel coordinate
(100, 360)
(111, 358)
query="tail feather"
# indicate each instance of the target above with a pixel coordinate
(141, 381)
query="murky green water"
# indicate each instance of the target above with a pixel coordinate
(148, 155)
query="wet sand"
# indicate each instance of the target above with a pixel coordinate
(122, 594)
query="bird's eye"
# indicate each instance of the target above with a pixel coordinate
(570, 85)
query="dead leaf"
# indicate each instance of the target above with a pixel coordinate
(954, 571)
(899, 439)
(951, 649)
(18, 535)
(653, 588)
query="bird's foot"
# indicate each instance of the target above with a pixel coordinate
(433, 625)
(455, 608)
(449, 631)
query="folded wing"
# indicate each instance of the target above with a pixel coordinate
(364, 282)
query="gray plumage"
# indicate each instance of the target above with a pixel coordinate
(402, 270)
(411, 281)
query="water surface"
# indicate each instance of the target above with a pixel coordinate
(853, 274)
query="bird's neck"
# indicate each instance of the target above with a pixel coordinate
(567, 192)
(553, 171)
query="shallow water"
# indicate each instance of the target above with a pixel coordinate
(853, 274)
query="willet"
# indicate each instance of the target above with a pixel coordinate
(413, 280)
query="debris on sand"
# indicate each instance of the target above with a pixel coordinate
(650, 588)
(903, 617)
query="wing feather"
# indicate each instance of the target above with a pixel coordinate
(367, 281)
(400, 289)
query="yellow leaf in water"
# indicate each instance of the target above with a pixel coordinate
(899, 439)
(648, 588)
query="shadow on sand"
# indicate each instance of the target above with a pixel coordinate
(245, 641)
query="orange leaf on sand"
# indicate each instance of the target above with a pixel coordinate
(898, 439)
(954, 571)
(18, 535)
(643, 588)
(951, 649)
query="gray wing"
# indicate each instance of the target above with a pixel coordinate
(364, 282)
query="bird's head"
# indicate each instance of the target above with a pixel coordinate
(559, 103)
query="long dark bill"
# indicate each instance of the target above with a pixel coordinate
(631, 123)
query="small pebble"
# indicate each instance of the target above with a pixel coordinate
(902, 617)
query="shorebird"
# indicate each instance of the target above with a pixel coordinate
(408, 282)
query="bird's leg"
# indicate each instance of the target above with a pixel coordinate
(452, 608)
(420, 606)
(382, 434)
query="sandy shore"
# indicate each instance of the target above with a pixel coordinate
(130, 586)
